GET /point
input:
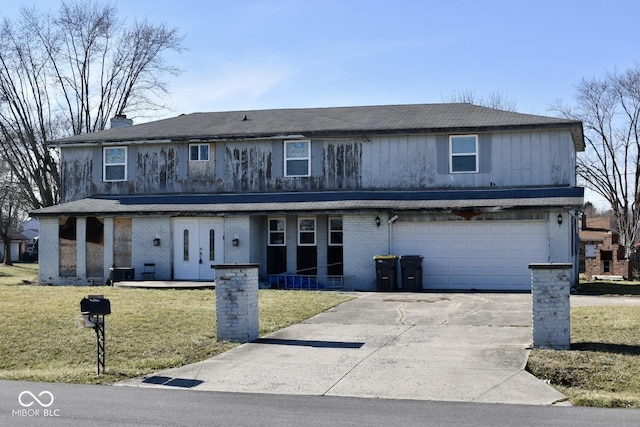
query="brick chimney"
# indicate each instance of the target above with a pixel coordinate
(120, 121)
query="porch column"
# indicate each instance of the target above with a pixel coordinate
(108, 247)
(237, 302)
(81, 247)
(550, 290)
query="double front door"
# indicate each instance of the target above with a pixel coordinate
(198, 245)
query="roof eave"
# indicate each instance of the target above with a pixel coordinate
(574, 127)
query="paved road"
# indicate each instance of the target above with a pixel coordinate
(85, 405)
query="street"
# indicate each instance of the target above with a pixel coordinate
(47, 404)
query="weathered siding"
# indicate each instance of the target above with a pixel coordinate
(76, 172)
(412, 162)
(248, 167)
(157, 169)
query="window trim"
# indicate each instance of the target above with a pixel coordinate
(475, 153)
(330, 231)
(287, 159)
(200, 145)
(105, 165)
(314, 231)
(284, 231)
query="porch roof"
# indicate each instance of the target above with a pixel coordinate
(251, 203)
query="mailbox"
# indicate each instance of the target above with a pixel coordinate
(93, 308)
(94, 304)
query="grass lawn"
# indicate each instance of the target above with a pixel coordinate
(602, 368)
(148, 329)
(14, 275)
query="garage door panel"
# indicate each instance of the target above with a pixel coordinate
(474, 255)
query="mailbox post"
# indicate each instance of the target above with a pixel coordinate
(93, 308)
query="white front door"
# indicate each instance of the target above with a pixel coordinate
(198, 245)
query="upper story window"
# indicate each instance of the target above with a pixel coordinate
(198, 152)
(277, 230)
(297, 158)
(115, 164)
(463, 153)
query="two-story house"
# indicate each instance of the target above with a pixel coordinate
(479, 193)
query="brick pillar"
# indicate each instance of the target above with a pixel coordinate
(237, 302)
(550, 290)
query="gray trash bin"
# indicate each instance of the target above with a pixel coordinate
(411, 267)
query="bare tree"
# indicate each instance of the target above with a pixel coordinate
(609, 108)
(67, 73)
(12, 210)
(495, 99)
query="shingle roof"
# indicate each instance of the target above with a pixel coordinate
(316, 201)
(334, 121)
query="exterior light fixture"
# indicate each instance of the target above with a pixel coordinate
(377, 221)
(559, 219)
(235, 241)
(156, 241)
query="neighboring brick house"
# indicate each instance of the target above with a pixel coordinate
(479, 193)
(601, 254)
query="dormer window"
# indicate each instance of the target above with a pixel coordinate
(114, 164)
(463, 153)
(297, 158)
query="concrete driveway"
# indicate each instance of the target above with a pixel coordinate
(449, 347)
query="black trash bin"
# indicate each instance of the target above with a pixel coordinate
(411, 267)
(386, 272)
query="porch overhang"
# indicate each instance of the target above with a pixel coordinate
(252, 203)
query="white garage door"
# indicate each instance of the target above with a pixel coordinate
(474, 255)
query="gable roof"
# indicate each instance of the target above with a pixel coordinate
(15, 235)
(328, 122)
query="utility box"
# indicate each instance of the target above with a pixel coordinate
(386, 272)
(411, 270)
(121, 274)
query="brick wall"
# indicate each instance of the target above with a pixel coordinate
(618, 265)
(362, 241)
(49, 252)
(143, 231)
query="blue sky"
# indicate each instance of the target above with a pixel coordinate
(319, 53)
(309, 53)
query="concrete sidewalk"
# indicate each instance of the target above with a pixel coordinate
(449, 347)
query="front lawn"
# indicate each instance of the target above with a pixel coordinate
(602, 368)
(148, 330)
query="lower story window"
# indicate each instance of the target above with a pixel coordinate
(306, 231)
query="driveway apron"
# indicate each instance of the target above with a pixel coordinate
(469, 347)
